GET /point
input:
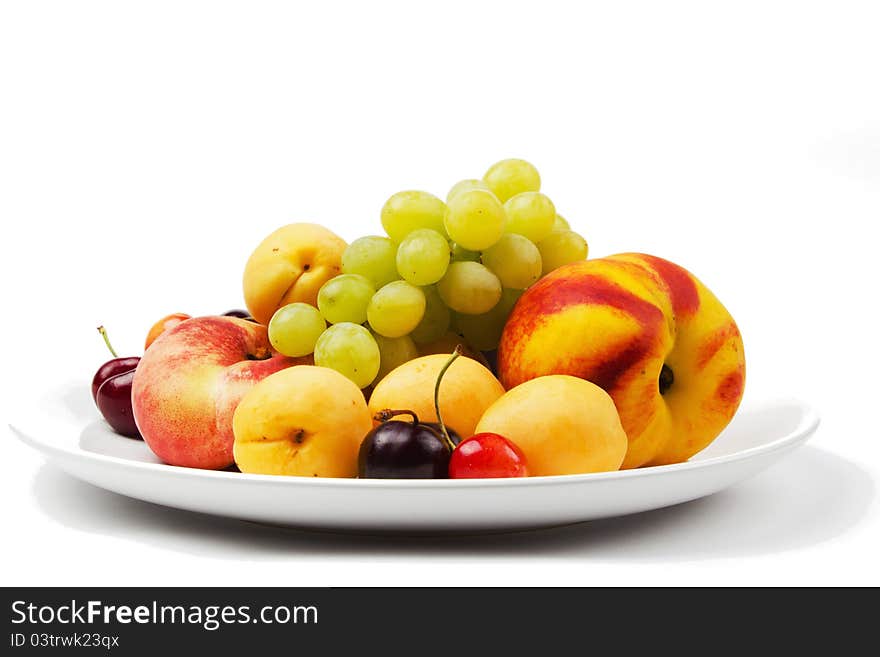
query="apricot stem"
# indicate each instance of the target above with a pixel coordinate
(455, 354)
(103, 333)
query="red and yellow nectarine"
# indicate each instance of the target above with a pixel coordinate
(645, 330)
(189, 382)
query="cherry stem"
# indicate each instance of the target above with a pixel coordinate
(455, 354)
(103, 333)
(386, 414)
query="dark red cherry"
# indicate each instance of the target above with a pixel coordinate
(114, 402)
(111, 390)
(112, 368)
(403, 450)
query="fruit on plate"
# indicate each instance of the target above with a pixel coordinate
(374, 258)
(345, 298)
(290, 265)
(187, 385)
(396, 309)
(423, 257)
(409, 450)
(467, 391)
(531, 214)
(470, 288)
(351, 350)
(295, 328)
(443, 268)
(475, 219)
(645, 330)
(167, 322)
(111, 390)
(411, 210)
(562, 424)
(561, 247)
(487, 456)
(508, 178)
(404, 450)
(305, 421)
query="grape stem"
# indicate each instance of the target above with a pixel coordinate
(386, 414)
(103, 333)
(455, 354)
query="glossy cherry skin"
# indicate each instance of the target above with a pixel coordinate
(112, 368)
(403, 450)
(114, 402)
(485, 456)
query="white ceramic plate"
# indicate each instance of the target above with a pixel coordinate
(66, 428)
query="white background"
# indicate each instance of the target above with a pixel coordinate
(145, 149)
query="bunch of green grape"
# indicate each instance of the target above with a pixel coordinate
(453, 268)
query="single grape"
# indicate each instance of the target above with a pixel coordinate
(560, 223)
(475, 219)
(435, 321)
(396, 309)
(483, 332)
(508, 178)
(530, 214)
(344, 298)
(466, 186)
(408, 211)
(394, 352)
(560, 248)
(423, 256)
(373, 258)
(350, 350)
(295, 328)
(469, 288)
(514, 260)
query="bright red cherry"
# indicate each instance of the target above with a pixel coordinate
(487, 455)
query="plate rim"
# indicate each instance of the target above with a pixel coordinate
(807, 424)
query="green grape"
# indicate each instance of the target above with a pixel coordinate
(561, 223)
(344, 298)
(530, 214)
(475, 219)
(514, 260)
(394, 352)
(466, 186)
(560, 248)
(469, 288)
(408, 211)
(373, 258)
(295, 328)
(396, 309)
(461, 253)
(483, 332)
(435, 321)
(423, 256)
(508, 178)
(350, 350)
